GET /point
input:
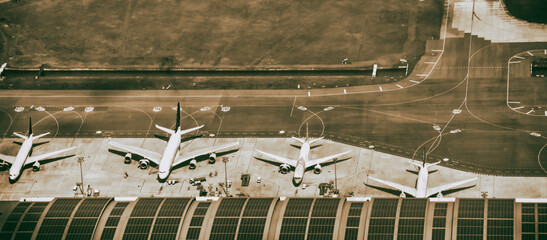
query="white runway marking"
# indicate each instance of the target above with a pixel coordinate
(309, 94)
(437, 50)
(515, 62)
(381, 89)
(429, 62)
(531, 111)
(513, 102)
(414, 81)
(519, 57)
(519, 107)
(530, 53)
(421, 75)
(345, 91)
(398, 85)
(545, 113)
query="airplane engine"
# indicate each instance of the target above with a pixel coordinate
(212, 158)
(317, 169)
(36, 167)
(143, 164)
(3, 166)
(127, 158)
(284, 168)
(193, 164)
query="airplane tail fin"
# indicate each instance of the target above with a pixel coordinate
(417, 164)
(190, 130)
(315, 140)
(431, 164)
(30, 126)
(167, 130)
(178, 117)
(20, 135)
(39, 136)
(298, 139)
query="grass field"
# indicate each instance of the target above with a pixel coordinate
(215, 33)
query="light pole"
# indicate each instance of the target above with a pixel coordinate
(80, 161)
(225, 161)
(335, 178)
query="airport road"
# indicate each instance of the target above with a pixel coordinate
(486, 136)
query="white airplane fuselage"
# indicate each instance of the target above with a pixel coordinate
(421, 184)
(301, 162)
(21, 158)
(169, 155)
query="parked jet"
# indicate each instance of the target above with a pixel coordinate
(24, 157)
(303, 162)
(421, 190)
(170, 157)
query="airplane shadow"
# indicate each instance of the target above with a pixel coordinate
(398, 193)
(166, 138)
(205, 157)
(311, 147)
(387, 190)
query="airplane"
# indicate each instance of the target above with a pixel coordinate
(24, 157)
(421, 190)
(303, 162)
(170, 157)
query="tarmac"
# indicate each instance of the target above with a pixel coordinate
(106, 172)
(455, 103)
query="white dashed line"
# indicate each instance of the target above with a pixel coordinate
(398, 85)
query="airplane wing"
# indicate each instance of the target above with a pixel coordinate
(152, 156)
(405, 189)
(33, 159)
(322, 160)
(435, 190)
(6, 158)
(279, 159)
(197, 153)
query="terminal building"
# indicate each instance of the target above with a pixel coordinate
(273, 218)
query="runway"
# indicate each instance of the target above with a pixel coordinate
(456, 108)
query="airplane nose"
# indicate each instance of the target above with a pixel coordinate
(162, 176)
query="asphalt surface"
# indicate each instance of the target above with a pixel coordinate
(487, 136)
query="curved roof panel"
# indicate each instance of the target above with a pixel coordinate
(86, 217)
(57, 217)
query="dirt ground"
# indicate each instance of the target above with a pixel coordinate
(217, 33)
